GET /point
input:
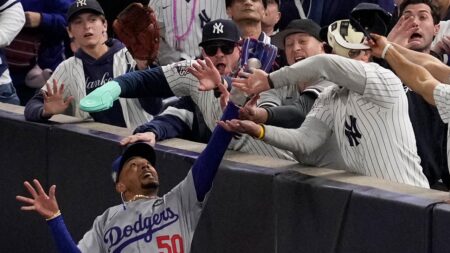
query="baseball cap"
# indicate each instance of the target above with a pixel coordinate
(297, 26)
(220, 30)
(371, 17)
(140, 149)
(84, 5)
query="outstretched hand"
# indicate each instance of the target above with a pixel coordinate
(241, 126)
(252, 83)
(45, 205)
(402, 31)
(54, 101)
(251, 112)
(148, 137)
(377, 44)
(206, 73)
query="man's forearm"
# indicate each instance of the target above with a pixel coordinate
(414, 76)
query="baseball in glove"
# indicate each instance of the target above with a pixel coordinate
(136, 26)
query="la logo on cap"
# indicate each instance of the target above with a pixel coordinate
(81, 3)
(218, 28)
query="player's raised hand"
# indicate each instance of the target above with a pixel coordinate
(54, 101)
(45, 205)
(377, 44)
(403, 30)
(148, 137)
(241, 126)
(252, 83)
(206, 73)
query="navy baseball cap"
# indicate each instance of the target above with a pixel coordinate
(83, 6)
(220, 30)
(307, 26)
(140, 149)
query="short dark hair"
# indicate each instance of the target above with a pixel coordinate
(228, 3)
(433, 7)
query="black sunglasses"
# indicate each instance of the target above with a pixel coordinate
(211, 50)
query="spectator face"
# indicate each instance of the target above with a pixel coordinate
(299, 46)
(224, 55)
(88, 30)
(138, 176)
(272, 15)
(246, 10)
(421, 40)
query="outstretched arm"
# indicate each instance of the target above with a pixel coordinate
(205, 167)
(47, 207)
(414, 76)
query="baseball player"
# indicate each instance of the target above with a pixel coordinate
(174, 79)
(93, 65)
(183, 22)
(366, 109)
(144, 222)
(429, 82)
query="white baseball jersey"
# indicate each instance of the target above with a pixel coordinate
(183, 21)
(164, 224)
(368, 112)
(182, 83)
(71, 73)
(441, 96)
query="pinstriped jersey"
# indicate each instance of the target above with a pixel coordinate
(183, 83)
(441, 96)
(373, 129)
(183, 21)
(71, 73)
(368, 111)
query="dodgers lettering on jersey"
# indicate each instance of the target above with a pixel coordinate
(165, 224)
(142, 229)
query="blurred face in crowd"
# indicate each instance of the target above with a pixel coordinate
(272, 15)
(246, 10)
(88, 29)
(421, 13)
(224, 55)
(299, 46)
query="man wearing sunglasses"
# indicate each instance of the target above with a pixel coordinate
(197, 112)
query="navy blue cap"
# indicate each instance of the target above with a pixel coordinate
(220, 30)
(140, 149)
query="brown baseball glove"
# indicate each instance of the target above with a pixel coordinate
(136, 26)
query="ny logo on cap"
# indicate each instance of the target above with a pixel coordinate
(81, 3)
(218, 28)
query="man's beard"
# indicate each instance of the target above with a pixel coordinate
(150, 186)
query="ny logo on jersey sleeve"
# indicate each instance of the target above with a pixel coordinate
(352, 132)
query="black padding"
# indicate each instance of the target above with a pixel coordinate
(23, 150)
(310, 212)
(440, 232)
(381, 221)
(238, 215)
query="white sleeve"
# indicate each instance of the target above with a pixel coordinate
(311, 135)
(11, 22)
(441, 96)
(375, 83)
(181, 82)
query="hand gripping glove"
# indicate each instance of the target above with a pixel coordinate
(254, 54)
(136, 26)
(102, 98)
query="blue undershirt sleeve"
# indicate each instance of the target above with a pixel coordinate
(205, 167)
(62, 237)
